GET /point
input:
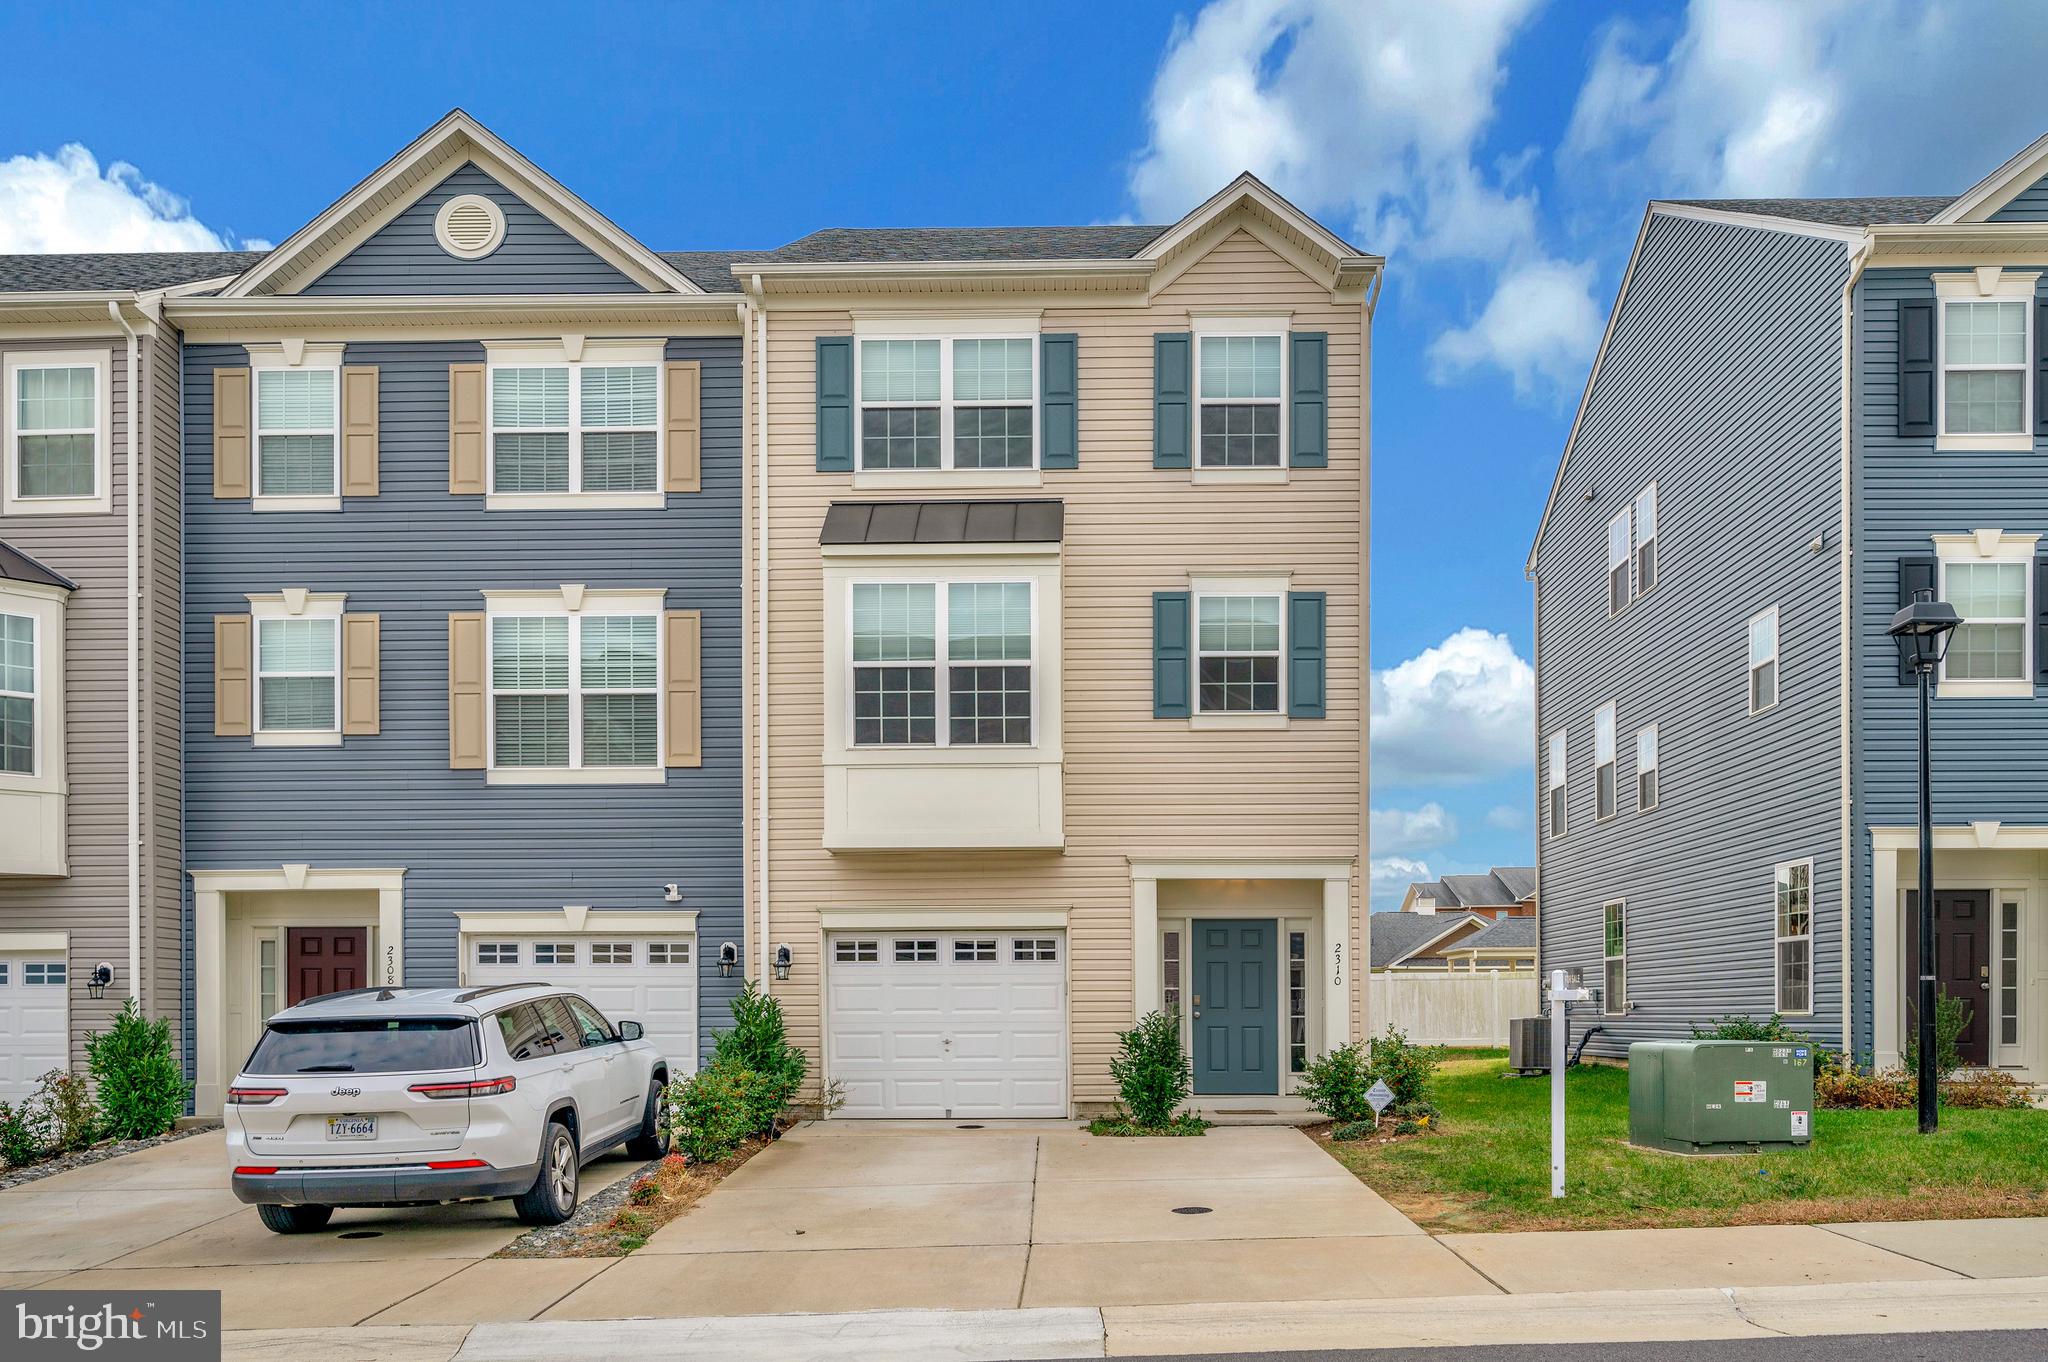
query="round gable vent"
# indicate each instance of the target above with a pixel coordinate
(469, 227)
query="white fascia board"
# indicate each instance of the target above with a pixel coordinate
(1249, 186)
(1997, 189)
(1760, 221)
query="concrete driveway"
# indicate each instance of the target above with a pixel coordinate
(164, 1219)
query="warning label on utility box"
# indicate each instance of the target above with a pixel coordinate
(1749, 1090)
(1801, 1124)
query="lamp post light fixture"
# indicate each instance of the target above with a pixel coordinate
(1922, 631)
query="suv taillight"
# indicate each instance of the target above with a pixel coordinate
(482, 1087)
(254, 1097)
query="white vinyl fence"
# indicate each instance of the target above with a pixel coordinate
(1451, 1008)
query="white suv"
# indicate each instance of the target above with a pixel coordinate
(412, 1096)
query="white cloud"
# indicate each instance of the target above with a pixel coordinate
(1423, 829)
(1388, 878)
(65, 202)
(1757, 98)
(1539, 328)
(1510, 817)
(1459, 712)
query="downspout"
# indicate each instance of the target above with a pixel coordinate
(1859, 255)
(136, 474)
(761, 613)
(1361, 958)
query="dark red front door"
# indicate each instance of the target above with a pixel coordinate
(324, 960)
(1962, 962)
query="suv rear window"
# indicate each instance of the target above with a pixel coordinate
(367, 1045)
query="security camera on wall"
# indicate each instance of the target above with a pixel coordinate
(672, 892)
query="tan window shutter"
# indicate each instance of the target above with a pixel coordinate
(361, 637)
(682, 687)
(466, 700)
(231, 434)
(467, 435)
(231, 675)
(685, 427)
(359, 430)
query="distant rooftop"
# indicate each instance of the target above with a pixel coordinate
(1502, 887)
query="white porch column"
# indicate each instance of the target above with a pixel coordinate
(391, 936)
(1147, 988)
(209, 998)
(1337, 962)
(1887, 962)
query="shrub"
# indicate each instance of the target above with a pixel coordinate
(715, 1110)
(1735, 1026)
(1354, 1130)
(1840, 1087)
(758, 1045)
(142, 1091)
(1336, 1083)
(24, 1137)
(1988, 1090)
(1408, 1069)
(1151, 1070)
(70, 1120)
(1184, 1123)
(1951, 1016)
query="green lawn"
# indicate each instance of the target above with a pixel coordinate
(1488, 1167)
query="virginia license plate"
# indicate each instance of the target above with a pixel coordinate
(351, 1127)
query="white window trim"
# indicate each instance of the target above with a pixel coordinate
(942, 694)
(1656, 767)
(574, 353)
(1609, 1005)
(40, 698)
(1986, 285)
(1625, 518)
(1230, 324)
(1637, 541)
(1558, 756)
(12, 502)
(1989, 546)
(1751, 664)
(574, 603)
(1200, 588)
(295, 603)
(946, 475)
(1778, 941)
(1613, 762)
(296, 355)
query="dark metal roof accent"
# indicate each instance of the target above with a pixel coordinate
(113, 270)
(944, 522)
(1858, 212)
(861, 245)
(16, 566)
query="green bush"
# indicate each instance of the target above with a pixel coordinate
(23, 1136)
(1735, 1026)
(714, 1110)
(1355, 1130)
(70, 1119)
(1987, 1090)
(1336, 1083)
(142, 1091)
(1408, 1069)
(1185, 1123)
(1151, 1070)
(758, 1044)
(1951, 1016)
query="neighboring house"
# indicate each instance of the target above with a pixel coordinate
(1803, 411)
(1064, 650)
(462, 490)
(1420, 941)
(1505, 891)
(89, 601)
(1506, 943)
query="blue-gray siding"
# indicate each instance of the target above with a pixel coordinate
(1991, 756)
(536, 256)
(1722, 383)
(2029, 205)
(415, 554)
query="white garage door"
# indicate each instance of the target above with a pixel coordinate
(947, 1024)
(649, 979)
(35, 1021)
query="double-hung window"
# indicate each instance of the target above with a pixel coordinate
(17, 695)
(1763, 660)
(1240, 381)
(970, 683)
(584, 427)
(1238, 643)
(575, 691)
(940, 402)
(1795, 936)
(1617, 562)
(298, 667)
(55, 418)
(1991, 642)
(1987, 348)
(1646, 539)
(1646, 769)
(298, 413)
(1603, 761)
(1557, 772)
(1614, 935)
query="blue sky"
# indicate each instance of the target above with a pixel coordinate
(1497, 151)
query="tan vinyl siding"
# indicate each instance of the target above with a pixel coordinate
(1134, 786)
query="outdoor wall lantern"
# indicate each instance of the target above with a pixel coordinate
(96, 982)
(728, 960)
(1922, 631)
(782, 959)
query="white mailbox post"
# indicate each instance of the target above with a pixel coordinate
(1563, 989)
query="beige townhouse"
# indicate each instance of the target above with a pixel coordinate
(1056, 580)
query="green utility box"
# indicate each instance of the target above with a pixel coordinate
(1719, 1096)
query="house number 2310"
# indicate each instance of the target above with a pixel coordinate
(1339, 977)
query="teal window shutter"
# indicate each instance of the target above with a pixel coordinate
(1305, 652)
(835, 404)
(1172, 683)
(1173, 399)
(1310, 418)
(1059, 383)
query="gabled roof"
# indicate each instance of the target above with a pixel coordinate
(130, 271)
(1994, 191)
(1502, 934)
(1396, 936)
(1519, 880)
(16, 566)
(1502, 887)
(429, 159)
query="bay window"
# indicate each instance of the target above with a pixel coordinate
(33, 778)
(915, 684)
(17, 695)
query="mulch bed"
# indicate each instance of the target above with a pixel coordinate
(621, 1218)
(11, 1176)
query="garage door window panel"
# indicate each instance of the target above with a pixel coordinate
(974, 951)
(554, 953)
(856, 952)
(917, 952)
(668, 953)
(43, 974)
(497, 952)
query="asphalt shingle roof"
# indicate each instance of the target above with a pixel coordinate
(1503, 887)
(1396, 934)
(16, 566)
(1860, 212)
(1507, 933)
(109, 270)
(709, 270)
(944, 522)
(855, 245)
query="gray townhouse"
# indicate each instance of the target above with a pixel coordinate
(1802, 412)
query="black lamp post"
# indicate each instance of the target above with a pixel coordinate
(1923, 630)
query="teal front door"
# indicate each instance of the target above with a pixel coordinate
(1236, 1012)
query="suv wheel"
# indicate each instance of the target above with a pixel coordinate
(294, 1219)
(653, 1139)
(552, 1198)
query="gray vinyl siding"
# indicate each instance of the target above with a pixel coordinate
(1991, 756)
(536, 257)
(2029, 205)
(1721, 383)
(414, 554)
